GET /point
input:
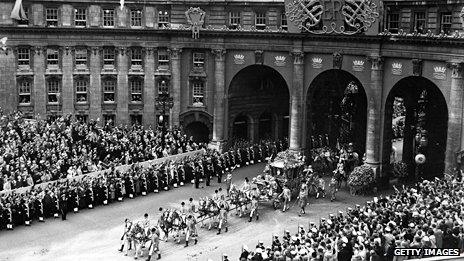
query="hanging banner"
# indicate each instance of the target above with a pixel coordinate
(18, 11)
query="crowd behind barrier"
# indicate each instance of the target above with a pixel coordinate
(426, 215)
(58, 198)
(38, 151)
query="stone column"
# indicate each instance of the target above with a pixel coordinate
(40, 92)
(296, 103)
(455, 137)
(175, 54)
(68, 83)
(373, 114)
(95, 91)
(122, 94)
(149, 89)
(219, 99)
(8, 87)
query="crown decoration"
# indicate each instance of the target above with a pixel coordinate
(397, 68)
(358, 65)
(280, 60)
(196, 18)
(317, 62)
(239, 58)
(439, 69)
(439, 72)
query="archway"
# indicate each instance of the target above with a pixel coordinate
(198, 130)
(424, 129)
(255, 89)
(240, 128)
(337, 111)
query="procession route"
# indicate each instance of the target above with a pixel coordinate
(95, 234)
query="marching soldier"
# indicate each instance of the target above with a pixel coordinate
(222, 219)
(125, 239)
(191, 207)
(154, 244)
(191, 230)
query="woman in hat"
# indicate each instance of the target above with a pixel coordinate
(303, 199)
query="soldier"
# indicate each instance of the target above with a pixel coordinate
(181, 174)
(208, 171)
(183, 209)
(154, 244)
(222, 219)
(89, 196)
(191, 230)
(144, 187)
(191, 207)
(9, 216)
(260, 153)
(333, 185)
(125, 239)
(146, 223)
(254, 204)
(303, 199)
(286, 194)
(63, 205)
(197, 177)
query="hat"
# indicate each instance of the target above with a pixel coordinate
(260, 242)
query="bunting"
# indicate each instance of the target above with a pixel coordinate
(121, 2)
(18, 11)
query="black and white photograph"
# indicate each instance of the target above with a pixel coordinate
(220, 130)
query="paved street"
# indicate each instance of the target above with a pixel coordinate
(94, 234)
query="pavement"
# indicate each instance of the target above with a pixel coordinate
(95, 234)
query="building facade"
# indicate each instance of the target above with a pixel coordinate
(309, 70)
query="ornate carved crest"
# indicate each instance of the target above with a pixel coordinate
(307, 15)
(259, 57)
(337, 60)
(196, 19)
(417, 67)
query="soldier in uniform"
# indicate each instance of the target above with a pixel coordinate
(191, 230)
(287, 195)
(222, 219)
(154, 244)
(208, 171)
(197, 176)
(303, 199)
(181, 173)
(254, 204)
(63, 205)
(183, 209)
(144, 183)
(191, 207)
(125, 239)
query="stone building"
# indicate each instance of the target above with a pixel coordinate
(315, 71)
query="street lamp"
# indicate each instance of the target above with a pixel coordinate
(163, 103)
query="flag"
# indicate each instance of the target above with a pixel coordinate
(18, 11)
(121, 3)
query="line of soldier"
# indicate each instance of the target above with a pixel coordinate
(72, 196)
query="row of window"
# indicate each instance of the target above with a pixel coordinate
(81, 59)
(136, 18)
(419, 22)
(109, 87)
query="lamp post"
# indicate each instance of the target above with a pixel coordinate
(163, 103)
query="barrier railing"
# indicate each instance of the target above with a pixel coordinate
(122, 168)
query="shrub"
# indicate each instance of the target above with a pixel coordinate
(361, 177)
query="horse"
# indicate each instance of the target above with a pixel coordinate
(240, 199)
(138, 237)
(169, 221)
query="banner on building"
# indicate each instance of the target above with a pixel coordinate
(18, 11)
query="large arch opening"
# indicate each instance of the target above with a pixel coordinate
(198, 131)
(336, 111)
(255, 91)
(416, 122)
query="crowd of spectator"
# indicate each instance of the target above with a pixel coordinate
(37, 151)
(426, 215)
